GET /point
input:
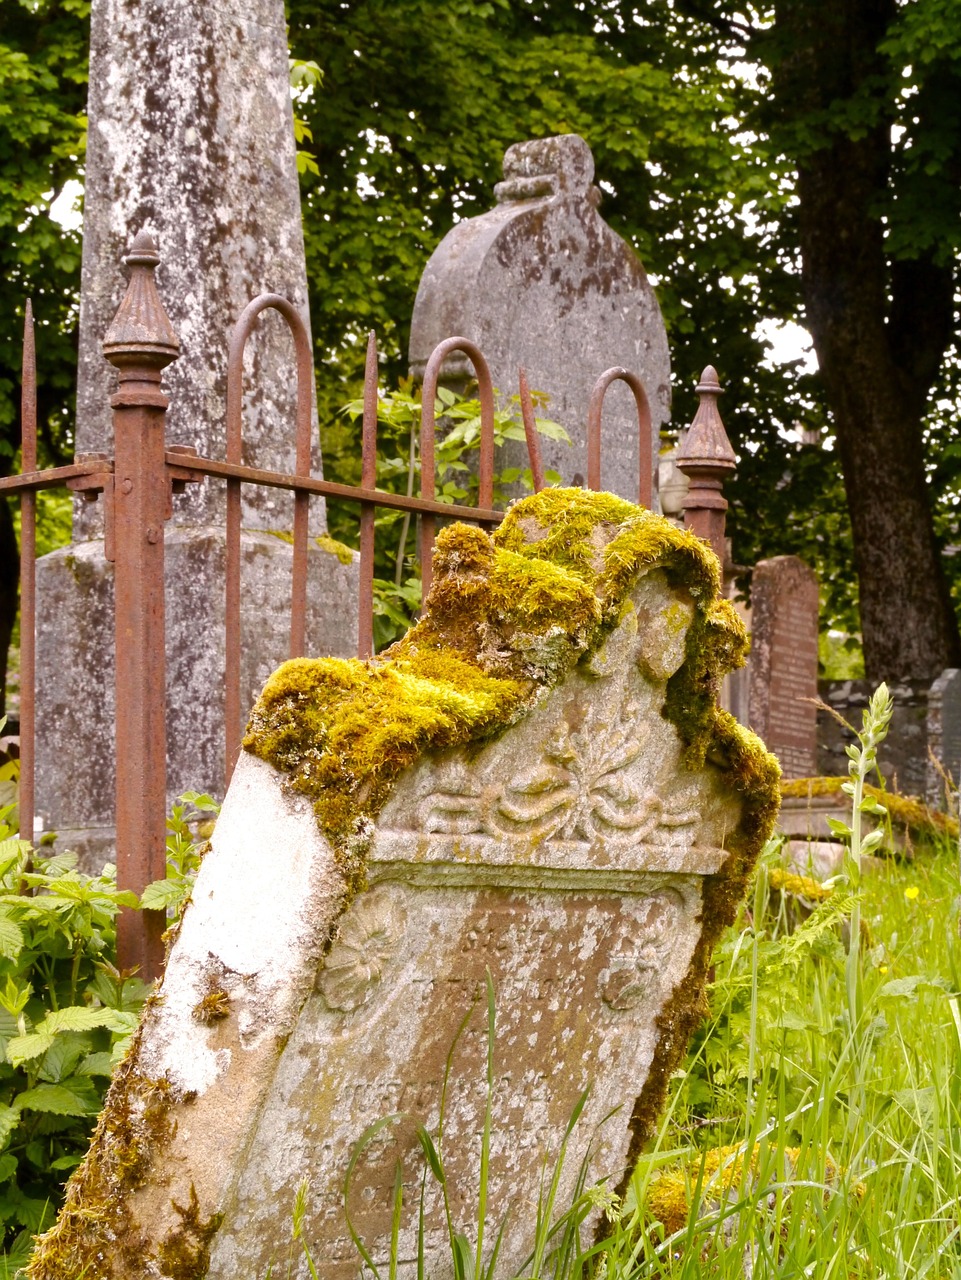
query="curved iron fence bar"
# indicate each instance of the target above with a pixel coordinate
(485, 477)
(645, 448)
(298, 613)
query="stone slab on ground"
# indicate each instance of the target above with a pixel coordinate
(536, 783)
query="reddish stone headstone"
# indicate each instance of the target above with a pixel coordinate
(784, 662)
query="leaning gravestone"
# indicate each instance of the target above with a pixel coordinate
(784, 662)
(542, 281)
(535, 783)
(191, 138)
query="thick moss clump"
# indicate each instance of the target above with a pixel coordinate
(507, 616)
(907, 812)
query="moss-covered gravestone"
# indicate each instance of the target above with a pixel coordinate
(535, 782)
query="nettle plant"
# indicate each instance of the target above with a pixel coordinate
(66, 1016)
(397, 581)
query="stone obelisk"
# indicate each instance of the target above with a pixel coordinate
(190, 138)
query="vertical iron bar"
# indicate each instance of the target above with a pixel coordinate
(368, 480)
(298, 610)
(485, 497)
(140, 342)
(232, 727)
(28, 571)
(645, 447)
(305, 428)
(530, 431)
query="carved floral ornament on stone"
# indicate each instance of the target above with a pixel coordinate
(537, 781)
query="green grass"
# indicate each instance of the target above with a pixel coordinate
(870, 1113)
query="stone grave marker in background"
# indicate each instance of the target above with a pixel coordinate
(944, 735)
(191, 138)
(784, 662)
(542, 281)
(515, 788)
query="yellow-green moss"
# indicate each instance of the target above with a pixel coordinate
(719, 1172)
(795, 886)
(507, 616)
(920, 822)
(334, 548)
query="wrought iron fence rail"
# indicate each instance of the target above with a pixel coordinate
(199, 467)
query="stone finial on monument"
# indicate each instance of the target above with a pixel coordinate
(542, 282)
(535, 783)
(191, 136)
(784, 662)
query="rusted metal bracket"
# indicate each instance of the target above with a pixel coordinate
(91, 486)
(179, 477)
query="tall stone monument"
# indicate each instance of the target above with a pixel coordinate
(541, 281)
(537, 784)
(191, 138)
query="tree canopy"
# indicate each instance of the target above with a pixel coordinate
(795, 163)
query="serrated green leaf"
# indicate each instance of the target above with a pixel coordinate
(11, 937)
(9, 1119)
(25, 1048)
(96, 1064)
(53, 1098)
(161, 894)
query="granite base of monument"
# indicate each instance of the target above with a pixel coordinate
(75, 699)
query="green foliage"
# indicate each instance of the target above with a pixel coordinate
(43, 73)
(66, 1016)
(189, 826)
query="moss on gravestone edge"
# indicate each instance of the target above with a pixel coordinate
(508, 615)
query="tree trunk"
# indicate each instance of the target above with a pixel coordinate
(880, 328)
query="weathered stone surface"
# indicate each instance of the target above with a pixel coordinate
(191, 138)
(75, 666)
(784, 661)
(535, 782)
(542, 281)
(914, 735)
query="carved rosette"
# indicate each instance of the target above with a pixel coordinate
(367, 940)
(636, 961)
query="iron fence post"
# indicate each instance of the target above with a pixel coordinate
(707, 459)
(140, 342)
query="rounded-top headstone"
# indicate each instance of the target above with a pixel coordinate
(541, 281)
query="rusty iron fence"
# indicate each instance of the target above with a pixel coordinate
(136, 487)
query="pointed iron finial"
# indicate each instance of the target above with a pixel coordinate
(141, 332)
(707, 459)
(707, 444)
